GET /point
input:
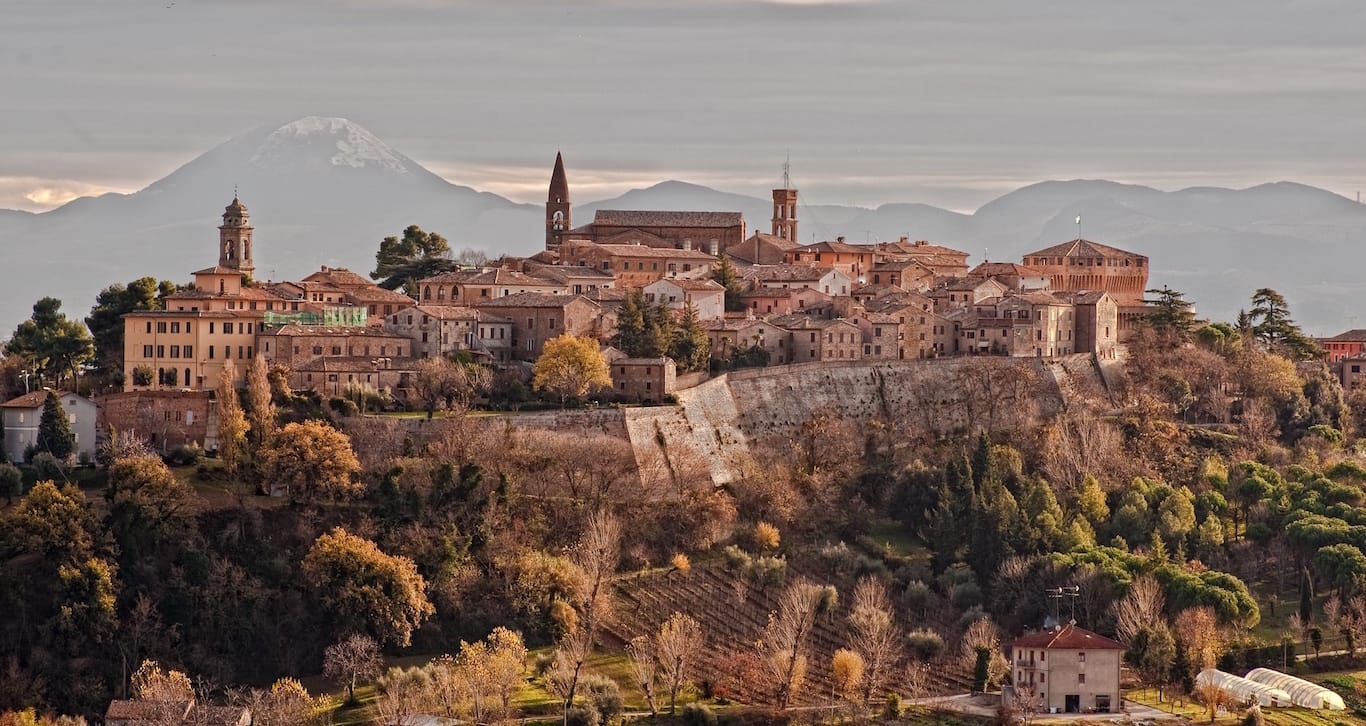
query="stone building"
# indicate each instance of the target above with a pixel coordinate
(164, 419)
(781, 300)
(710, 232)
(914, 314)
(1016, 277)
(538, 317)
(1070, 669)
(637, 265)
(22, 416)
(442, 330)
(827, 280)
(468, 287)
(706, 296)
(906, 274)
(855, 261)
(647, 380)
(760, 249)
(1081, 265)
(727, 335)
(1349, 344)
(821, 339)
(942, 261)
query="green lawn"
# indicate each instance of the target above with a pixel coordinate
(1274, 716)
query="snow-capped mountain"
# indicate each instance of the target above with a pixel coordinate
(324, 191)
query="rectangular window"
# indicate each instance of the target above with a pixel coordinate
(161, 351)
(149, 326)
(146, 351)
(175, 327)
(161, 327)
(189, 351)
(336, 350)
(1081, 678)
(211, 352)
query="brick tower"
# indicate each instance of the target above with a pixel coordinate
(785, 209)
(557, 206)
(234, 238)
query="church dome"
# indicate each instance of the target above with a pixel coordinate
(236, 209)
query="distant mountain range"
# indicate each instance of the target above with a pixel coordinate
(324, 191)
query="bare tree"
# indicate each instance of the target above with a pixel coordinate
(644, 668)
(1080, 442)
(403, 695)
(678, 646)
(874, 635)
(783, 644)
(596, 558)
(1213, 697)
(983, 633)
(1198, 628)
(1141, 607)
(352, 659)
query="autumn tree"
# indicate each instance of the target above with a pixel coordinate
(644, 668)
(352, 659)
(232, 424)
(167, 693)
(401, 262)
(288, 703)
(312, 460)
(54, 429)
(678, 646)
(364, 589)
(570, 367)
(595, 558)
(847, 674)
(147, 501)
(783, 644)
(874, 635)
(1198, 632)
(262, 416)
(56, 345)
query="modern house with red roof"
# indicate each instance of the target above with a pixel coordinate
(1069, 669)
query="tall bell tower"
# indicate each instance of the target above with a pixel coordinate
(234, 238)
(557, 206)
(785, 208)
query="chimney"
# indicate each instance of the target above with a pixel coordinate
(921, 243)
(905, 239)
(839, 239)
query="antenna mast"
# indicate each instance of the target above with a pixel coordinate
(787, 171)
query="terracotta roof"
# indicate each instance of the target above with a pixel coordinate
(531, 300)
(1083, 248)
(633, 218)
(786, 273)
(353, 364)
(217, 270)
(294, 329)
(248, 314)
(448, 312)
(992, 269)
(683, 283)
(339, 276)
(1069, 637)
(33, 399)
(1086, 297)
(771, 239)
(920, 248)
(496, 276)
(374, 293)
(661, 252)
(836, 246)
(970, 283)
(607, 294)
(898, 301)
(1035, 297)
(564, 273)
(734, 324)
(801, 321)
(1351, 336)
(636, 237)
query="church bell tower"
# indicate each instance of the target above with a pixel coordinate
(234, 238)
(785, 208)
(557, 206)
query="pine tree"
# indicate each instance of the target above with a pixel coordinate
(691, 349)
(726, 277)
(630, 336)
(1171, 314)
(54, 430)
(1272, 325)
(659, 332)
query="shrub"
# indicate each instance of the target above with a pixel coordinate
(924, 644)
(185, 455)
(582, 716)
(47, 467)
(605, 695)
(344, 407)
(697, 714)
(892, 708)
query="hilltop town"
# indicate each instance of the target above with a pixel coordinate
(674, 468)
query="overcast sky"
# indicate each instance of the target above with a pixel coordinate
(949, 103)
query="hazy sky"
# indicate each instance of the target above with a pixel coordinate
(949, 103)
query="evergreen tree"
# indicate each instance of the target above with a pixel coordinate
(54, 430)
(1306, 597)
(1170, 313)
(659, 332)
(630, 335)
(56, 344)
(1272, 325)
(106, 321)
(691, 349)
(402, 262)
(4, 456)
(725, 276)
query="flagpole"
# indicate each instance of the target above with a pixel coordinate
(1078, 226)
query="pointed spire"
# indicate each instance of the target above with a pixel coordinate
(559, 184)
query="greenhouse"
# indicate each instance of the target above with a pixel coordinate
(1302, 692)
(1243, 690)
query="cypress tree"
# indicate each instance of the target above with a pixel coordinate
(54, 430)
(1306, 597)
(630, 335)
(691, 349)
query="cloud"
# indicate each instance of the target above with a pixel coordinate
(34, 194)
